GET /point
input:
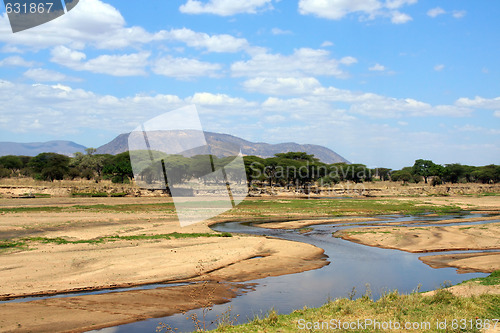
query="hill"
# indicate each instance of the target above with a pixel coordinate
(223, 145)
(34, 148)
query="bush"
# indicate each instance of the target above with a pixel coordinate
(4, 173)
(436, 181)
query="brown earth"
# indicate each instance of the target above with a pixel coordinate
(90, 312)
(427, 239)
(40, 268)
(486, 262)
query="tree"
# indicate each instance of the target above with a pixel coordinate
(11, 162)
(424, 168)
(298, 156)
(119, 168)
(453, 172)
(401, 175)
(50, 166)
(382, 173)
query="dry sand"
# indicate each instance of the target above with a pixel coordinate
(427, 239)
(83, 313)
(50, 268)
(297, 224)
(486, 262)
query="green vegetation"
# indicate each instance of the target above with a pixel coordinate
(417, 309)
(490, 280)
(5, 244)
(292, 169)
(331, 207)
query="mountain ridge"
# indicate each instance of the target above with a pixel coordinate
(221, 144)
(62, 147)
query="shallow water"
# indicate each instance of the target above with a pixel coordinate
(351, 266)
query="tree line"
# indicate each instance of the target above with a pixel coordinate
(297, 169)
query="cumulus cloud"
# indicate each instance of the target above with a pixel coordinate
(16, 61)
(366, 9)
(92, 22)
(225, 7)
(278, 31)
(282, 85)
(185, 68)
(439, 67)
(115, 65)
(400, 18)
(377, 68)
(434, 12)
(214, 43)
(459, 13)
(326, 43)
(303, 62)
(480, 103)
(47, 75)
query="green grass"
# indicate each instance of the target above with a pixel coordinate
(336, 207)
(392, 306)
(490, 280)
(272, 207)
(167, 207)
(4, 244)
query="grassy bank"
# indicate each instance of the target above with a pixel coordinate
(462, 314)
(23, 242)
(336, 207)
(269, 207)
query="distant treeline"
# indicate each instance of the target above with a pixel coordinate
(285, 169)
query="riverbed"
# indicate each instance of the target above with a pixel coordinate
(353, 270)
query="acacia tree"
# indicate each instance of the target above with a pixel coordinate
(50, 166)
(424, 168)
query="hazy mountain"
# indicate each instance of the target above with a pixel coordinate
(34, 148)
(225, 145)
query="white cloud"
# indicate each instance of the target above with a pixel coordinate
(459, 13)
(116, 65)
(439, 67)
(400, 18)
(480, 103)
(377, 68)
(337, 9)
(92, 22)
(278, 31)
(184, 68)
(214, 43)
(326, 43)
(302, 63)
(15, 61)
(209, 99)
(435, 12)
(46, 75)
(312, 118)
(496, 114)
(282, 85)
(366, 9)
(225, 7)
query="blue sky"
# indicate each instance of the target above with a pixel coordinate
(381, 82)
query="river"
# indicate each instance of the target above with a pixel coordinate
(351, 266)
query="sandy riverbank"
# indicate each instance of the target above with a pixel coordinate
(427, 239)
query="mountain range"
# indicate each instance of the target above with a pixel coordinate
(220, 145)
(34, 148)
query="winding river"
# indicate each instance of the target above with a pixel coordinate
(351, 266)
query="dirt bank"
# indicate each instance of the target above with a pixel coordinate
(427, 239)
(83, 313)
(486, 262)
